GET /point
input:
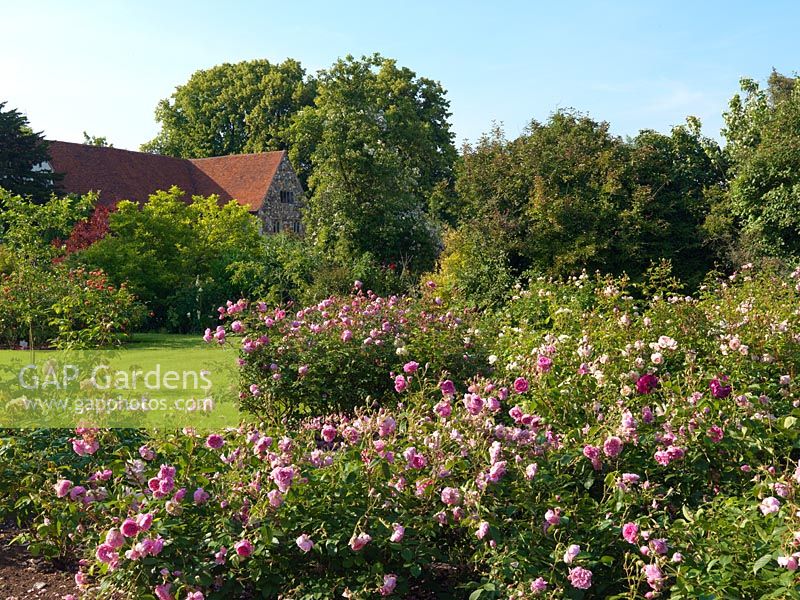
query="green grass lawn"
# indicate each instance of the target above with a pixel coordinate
(184, 367)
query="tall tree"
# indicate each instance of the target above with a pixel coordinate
(96, 140)
(21, 151)
(232, 109)
(763, 135)
(380, 144)
(674, 181)
(571, 196)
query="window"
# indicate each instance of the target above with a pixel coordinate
(276, 226)
(297, 227)
(287, 197)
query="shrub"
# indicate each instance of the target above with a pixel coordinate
(343, 352)
(611, 447)
(57, 306)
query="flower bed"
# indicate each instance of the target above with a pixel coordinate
(603, 447)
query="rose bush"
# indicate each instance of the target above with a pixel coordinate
(344, 352)
(605, 447)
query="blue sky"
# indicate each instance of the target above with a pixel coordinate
(102, 66)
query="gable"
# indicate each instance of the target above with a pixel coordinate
(245, 177)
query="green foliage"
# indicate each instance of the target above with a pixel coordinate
(567, 195)
(474, 267)
(32, 231)
(176, 256)
(233, 109)
(66, 308)
(21, 149)
(380, 146)
(763, 135)
(492, 492)
(42, 302)
(95, 140)
(91, 313)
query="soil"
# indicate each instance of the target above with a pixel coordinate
(24, 577)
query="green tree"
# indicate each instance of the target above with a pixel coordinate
(232, 109)
(763, 135)
(675, 182)
(94, 140)
(380, 145)
(30, 234)
(31, 231)
(177, 256)
(21, 151)
(571, 196)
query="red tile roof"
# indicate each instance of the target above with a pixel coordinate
(245, 177)
(127, 175)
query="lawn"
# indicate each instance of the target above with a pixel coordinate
(171, 374)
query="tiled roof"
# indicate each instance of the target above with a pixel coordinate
(127, 175)
(245, 177)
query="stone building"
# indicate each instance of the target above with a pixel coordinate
(264, 182)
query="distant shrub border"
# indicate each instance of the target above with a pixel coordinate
(66, 308)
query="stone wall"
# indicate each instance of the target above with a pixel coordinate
(282, 211)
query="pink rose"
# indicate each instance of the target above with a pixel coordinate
(580, 578)
(163, 592)
(400, 384)
(572, 551)
(443, 409)
(612, 446)
(544, 363)
(389, 583)
(215, 441)
(328, 433)
(62, 487)
(244, 548)
(398, 532)
(357, 542)
(630, 533)
(115, 539)
(447, 387)
(387, 427)
(305, 543)
(129, 528)
(483, 530)
(451, 496)
(144, 521)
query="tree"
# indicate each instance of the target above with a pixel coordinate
(380, 145)
(177, 256)
(232, 109)
(571, 196)
(31, 231)
(21, 152)
(94, 140)
(675, 181)
(763, 135)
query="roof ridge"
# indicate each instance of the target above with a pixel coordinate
(93, 148)
(236, 155)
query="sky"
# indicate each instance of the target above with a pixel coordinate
(101, 66)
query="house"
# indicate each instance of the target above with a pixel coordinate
(264, 182)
